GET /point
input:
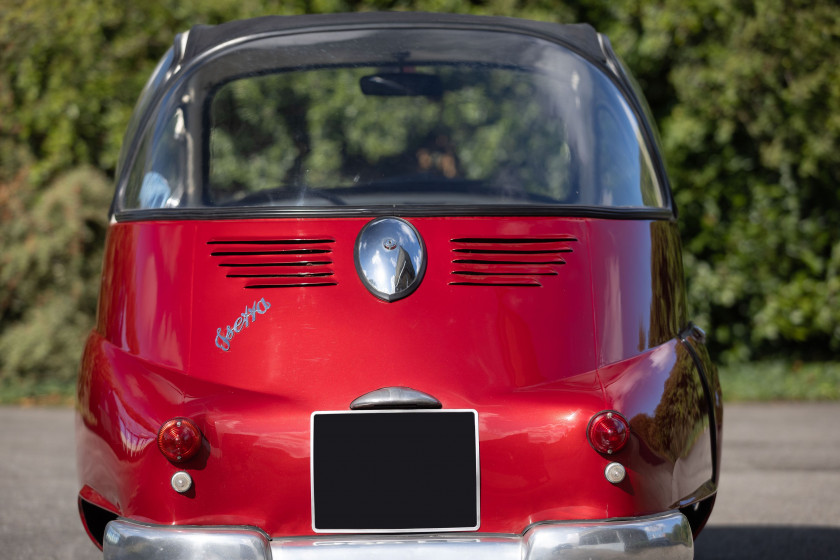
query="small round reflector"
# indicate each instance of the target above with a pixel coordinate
(179, 440)
(615, 472)
(608, 432)
(181, 482)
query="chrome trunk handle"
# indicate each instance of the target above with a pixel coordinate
(395, 397)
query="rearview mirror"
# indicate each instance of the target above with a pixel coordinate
(402, 84)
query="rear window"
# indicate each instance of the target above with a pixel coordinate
(394, 118)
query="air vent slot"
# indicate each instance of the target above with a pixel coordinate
(502, 261)
(275, 263)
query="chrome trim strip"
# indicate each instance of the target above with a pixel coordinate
(665, 536)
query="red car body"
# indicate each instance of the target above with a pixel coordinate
(566, 314)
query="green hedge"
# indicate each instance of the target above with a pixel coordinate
(747, 95)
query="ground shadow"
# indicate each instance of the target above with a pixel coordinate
(768, 543)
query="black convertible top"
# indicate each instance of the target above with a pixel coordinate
(581, 38)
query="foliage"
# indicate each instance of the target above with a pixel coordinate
(753, 141)
(746, 92)
(52, 247)
(775, 380)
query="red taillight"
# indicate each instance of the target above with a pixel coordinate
(179, 440)
(608, 432)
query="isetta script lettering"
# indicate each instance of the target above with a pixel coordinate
(242, 322)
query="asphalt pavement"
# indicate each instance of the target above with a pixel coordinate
(778, 497)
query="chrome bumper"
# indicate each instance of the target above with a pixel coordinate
(666, 536)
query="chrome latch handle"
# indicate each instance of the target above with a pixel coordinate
(695, 332)
(395, 397)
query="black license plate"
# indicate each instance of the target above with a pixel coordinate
(395, 471)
